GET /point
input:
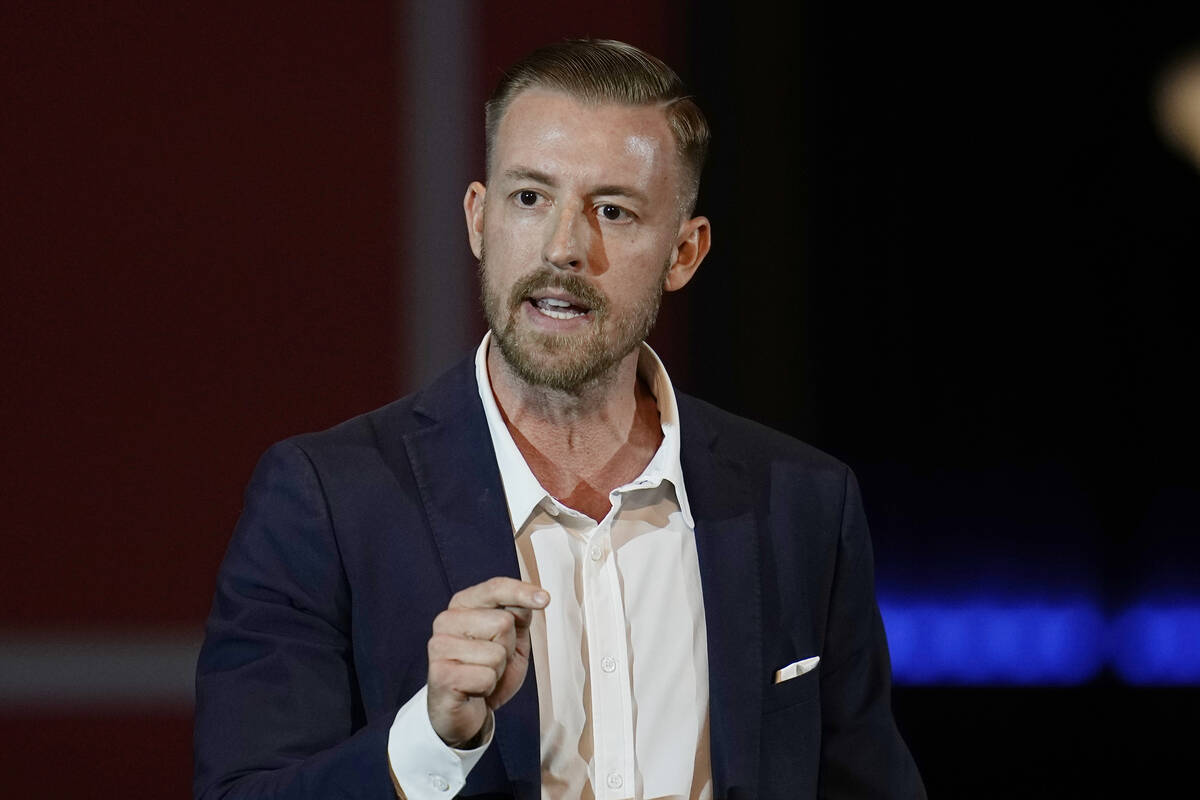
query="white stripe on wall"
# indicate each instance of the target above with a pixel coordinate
(436, 42)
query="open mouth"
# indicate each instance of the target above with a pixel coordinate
(556, 308)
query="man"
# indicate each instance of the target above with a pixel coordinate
(692, 591)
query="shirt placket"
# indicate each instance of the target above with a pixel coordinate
(612, 701)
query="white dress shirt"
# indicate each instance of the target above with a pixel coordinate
(621, 651)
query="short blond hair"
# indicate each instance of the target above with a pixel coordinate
(606, 71)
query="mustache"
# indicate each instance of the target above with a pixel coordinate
(568, 282)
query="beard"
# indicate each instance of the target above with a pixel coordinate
(568, 362)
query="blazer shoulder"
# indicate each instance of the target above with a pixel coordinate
(358, 434)
(749, 441)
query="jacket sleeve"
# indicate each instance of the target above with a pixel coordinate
(278, 711)
(862, 754)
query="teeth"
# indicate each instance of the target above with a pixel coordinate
(554, 313)
(557, 309)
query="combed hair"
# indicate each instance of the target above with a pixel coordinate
(605, 71)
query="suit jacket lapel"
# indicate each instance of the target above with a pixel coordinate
(456, 474)
(727, 546)
(455, 470)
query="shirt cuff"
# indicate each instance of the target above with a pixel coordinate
(424, 766)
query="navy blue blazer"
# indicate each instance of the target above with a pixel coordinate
(353, 539)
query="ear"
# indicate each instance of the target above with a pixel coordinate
(691, 247)
(473, 208)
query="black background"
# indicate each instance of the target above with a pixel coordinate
(951, 250)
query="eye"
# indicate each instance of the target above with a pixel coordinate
(528, 198)
(613, 213)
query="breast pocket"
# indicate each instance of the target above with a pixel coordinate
(801, 688)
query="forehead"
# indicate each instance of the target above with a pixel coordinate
(553, 132)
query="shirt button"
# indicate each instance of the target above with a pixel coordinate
(440, 783)
(615, 781)
(596, 553)
(608, 664)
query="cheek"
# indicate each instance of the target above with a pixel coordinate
(646, 258)
(512, 239)
(640, 282)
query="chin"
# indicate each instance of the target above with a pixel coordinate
(555, 361)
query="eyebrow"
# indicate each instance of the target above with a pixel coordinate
(620, 191)
(537, 176)
(526, 174)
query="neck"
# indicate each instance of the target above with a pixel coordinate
(580, 445)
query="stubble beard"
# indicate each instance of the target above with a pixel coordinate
(567, 362)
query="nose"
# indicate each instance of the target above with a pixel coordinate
(566, 245)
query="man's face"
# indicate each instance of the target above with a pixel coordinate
(580, 233)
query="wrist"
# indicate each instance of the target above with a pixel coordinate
(476, 741)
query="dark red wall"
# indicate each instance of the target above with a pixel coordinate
(201, 261)
(198, 260)
(200, 241)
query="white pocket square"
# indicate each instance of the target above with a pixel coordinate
(796, 669)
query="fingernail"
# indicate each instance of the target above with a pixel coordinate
(541, 598)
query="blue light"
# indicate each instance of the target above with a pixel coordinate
(1157, 644)
(1041, 643)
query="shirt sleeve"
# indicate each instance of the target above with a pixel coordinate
(423, 766)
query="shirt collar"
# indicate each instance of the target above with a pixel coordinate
(521, 488)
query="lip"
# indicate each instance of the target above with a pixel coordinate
(548, 323)
(558, 294)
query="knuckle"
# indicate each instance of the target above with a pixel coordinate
(499, 623)
(438, 674)
(488, 678)
(436, 646)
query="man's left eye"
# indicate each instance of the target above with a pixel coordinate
(612, 213)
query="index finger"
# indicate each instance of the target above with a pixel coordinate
(501, 593)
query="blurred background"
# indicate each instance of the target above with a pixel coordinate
(955, 247)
